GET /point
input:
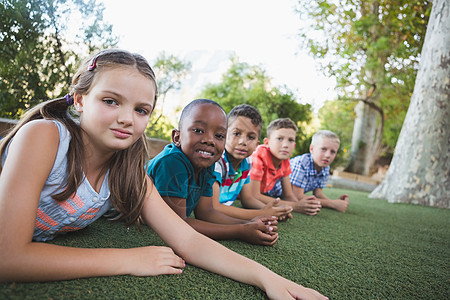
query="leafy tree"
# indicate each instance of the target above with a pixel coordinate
(338, 117)
(37, 52)
(243, 83)
(419, 172)
(170, 71)
(160, 128)
(372, 48)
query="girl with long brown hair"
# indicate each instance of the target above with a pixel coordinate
(59, 174)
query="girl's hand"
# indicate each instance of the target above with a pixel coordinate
(286, 289)
(153, 260)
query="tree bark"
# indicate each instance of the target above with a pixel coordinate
(420, 169)
(363, 139)
(367, 131)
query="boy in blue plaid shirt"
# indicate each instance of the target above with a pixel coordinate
(310, 171)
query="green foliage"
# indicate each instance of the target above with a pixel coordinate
(38, 54)
(170, 71)
(246, 84)
(339, 116)
(160, 127)
(368, 44)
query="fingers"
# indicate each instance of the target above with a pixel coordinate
(263, 227)
(281, 212)
(154, 260)
(265, 219)
(283, 208)
(169, 261)
(344, 197)
(267, 239)
(306, 293)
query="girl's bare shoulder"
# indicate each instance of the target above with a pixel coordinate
(42, 129)
(37, 135)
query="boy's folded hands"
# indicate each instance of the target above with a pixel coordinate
(274, 208)
(260, 231)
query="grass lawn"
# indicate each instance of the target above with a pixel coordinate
(375, 250)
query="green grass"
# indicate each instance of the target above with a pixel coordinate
(375, 250)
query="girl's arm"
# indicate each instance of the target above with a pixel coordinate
(203, 252)
(30, 159)
(259, 232)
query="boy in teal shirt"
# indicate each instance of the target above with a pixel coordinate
(183, 175)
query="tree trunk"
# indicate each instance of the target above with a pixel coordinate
(363, 138)
(420, 169)
(367, 131)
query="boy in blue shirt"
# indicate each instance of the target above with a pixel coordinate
(183, 175)
(310, 171)
(232, 170)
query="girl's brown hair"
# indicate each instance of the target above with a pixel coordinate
(127, 174)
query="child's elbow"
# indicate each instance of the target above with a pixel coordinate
(7, 265)
(12, 262)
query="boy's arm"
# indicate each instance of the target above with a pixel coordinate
(337, 204)
(309, 205)
(251, 196)
(258, 232)
(206, 210)
(288, 194)
(270, 209)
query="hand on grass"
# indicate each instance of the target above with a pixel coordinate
(260, 231)
(154, 260)
(341, 203)
(274, 208)
(286, 289)
(308, 205)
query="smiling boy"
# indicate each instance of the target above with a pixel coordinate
(183, 175)
(232, 170)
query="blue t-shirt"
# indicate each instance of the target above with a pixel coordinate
(231, 182)
(173, 175)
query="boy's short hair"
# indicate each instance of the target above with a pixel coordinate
(321, 134)
(280, 124)
(248, 111)
(186, 112)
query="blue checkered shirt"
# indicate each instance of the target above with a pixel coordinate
(304, 175)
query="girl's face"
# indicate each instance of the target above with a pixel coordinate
(116, 110)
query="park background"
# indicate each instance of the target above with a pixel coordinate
(349, 66)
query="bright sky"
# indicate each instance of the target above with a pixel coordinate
(208, 32)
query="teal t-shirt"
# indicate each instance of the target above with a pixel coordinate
(173, 175)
